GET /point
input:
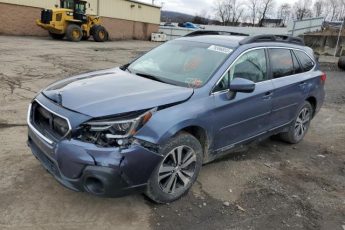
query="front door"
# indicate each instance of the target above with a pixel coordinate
(246, 115)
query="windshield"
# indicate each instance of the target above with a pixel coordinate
(182, 63)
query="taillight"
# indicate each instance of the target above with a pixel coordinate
(323, 77)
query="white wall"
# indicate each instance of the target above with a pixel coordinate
(129, 10)
(34, 3)
(121, 9)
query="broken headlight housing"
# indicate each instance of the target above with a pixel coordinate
(113, 132)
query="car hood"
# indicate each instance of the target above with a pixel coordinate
(112, 92)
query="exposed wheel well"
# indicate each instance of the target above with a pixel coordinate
(312, 101)
(200, 134)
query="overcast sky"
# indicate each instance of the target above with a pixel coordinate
(195, 6)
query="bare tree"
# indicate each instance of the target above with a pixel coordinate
(342, 12)
(236, 11)
(284, 13)
(265, 7)
(336, 8)
(220, 11)
(229, 11)
(253, 5)
(333, 7)
(319, 6)
(302, 10)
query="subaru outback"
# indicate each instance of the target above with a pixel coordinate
(150, 125)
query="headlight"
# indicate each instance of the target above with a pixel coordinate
(113, 129)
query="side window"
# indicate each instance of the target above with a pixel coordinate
(281, 62)
(251, 65)
(306, 62)
(224, 83)
(296, 66)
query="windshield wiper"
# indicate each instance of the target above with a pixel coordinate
(149, 76)
(125, 68)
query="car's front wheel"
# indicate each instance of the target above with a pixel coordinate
(300, 125)
(178, 170)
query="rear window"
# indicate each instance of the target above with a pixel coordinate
(296, 65)
(281, 62)
(306, 62)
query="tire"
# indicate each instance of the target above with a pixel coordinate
(56, 36)
(341, 63)
(179, 172)
(297, 130)
(99, 33)
(74, 33)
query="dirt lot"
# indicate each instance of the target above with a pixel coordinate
(270, 185)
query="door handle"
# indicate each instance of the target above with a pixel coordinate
(302, 84)
(267, 96)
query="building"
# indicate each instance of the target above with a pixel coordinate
(267, 22)
(124, 19)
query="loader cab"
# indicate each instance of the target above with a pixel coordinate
(78, 7)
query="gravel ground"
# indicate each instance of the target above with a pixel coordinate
(269, 185)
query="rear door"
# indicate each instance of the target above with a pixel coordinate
(290, 85)
(246, 115)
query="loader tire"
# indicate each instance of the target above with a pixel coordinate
(341, 63)
(74, 33)
(99, 34)
(56, 36)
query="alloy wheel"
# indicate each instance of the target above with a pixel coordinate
(177, 169)
(302, 123)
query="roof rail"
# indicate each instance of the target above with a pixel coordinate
(214, 32)
(273, 38)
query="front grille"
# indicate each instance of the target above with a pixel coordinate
(45, 160)
(47, 123)
(46, 16)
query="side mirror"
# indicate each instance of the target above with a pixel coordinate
(240, 85)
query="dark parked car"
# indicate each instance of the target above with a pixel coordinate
(150, 125)
(189, 25)
(169, 24)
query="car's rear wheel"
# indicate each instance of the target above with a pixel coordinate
(178, 170)
(300, 125)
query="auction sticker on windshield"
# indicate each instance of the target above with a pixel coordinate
(220, 49)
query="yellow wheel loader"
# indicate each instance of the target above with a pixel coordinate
(72, 22)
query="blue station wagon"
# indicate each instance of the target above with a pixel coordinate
(150, 125)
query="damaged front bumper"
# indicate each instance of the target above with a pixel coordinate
(106, 172)
(81, 166)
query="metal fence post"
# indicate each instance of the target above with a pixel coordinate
(293, 28)
(340, 32)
